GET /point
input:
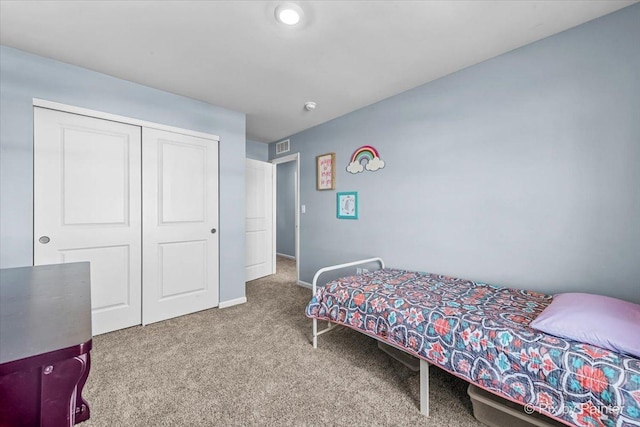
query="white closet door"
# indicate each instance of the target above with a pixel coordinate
(180, 218)
(87, 208)
(260, 256)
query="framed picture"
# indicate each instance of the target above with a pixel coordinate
(347, 205)
(326, 171)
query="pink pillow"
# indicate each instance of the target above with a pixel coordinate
(602, 321)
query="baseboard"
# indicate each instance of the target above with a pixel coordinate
(232, 302)
(305, 284)
(285, 255)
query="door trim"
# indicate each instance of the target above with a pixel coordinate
(232, 302)
(285, 159)
(117, 118)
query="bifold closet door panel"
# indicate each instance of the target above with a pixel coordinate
(180, 221)
(87, 207)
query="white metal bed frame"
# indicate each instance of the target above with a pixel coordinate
(424, 365)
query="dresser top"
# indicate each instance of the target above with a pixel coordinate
(43, 309)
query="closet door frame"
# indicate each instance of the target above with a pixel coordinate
(130, 121)
(122, 119)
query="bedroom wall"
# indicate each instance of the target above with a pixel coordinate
(522, 171)
(286, 209)
(24, 76)
(257, 151)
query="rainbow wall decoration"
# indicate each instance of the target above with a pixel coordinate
(365, 157)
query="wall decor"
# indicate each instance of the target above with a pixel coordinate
(347, 205)
(365, 157)
(326, 171)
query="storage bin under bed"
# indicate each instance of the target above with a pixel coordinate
(494, 411)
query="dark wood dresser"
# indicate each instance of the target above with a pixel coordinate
(45, 339)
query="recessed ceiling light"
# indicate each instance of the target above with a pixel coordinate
(289, 13)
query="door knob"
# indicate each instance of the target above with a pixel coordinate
(213, 231)
(44, 240)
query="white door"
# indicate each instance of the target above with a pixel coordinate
(260, 255)
(87, 208)
(180, 221)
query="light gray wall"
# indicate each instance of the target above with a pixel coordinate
(24, 76)
(257, 151)
(522, 171)
(286, 209)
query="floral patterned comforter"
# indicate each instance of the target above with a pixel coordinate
(481, 333)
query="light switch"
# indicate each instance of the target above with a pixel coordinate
(303, 209)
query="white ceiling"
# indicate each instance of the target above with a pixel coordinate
(345, 55)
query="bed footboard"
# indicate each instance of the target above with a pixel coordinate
(315, 288)
(424, 365)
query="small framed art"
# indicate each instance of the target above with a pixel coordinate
(347, 205)
(326, 171)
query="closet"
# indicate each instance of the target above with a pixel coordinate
(139, 202)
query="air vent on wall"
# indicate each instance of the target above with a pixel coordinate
(282, 146)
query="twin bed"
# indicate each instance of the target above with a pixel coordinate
(481, 333)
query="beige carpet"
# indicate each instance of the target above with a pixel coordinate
(253, 364)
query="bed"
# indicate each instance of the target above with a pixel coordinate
(480, 332)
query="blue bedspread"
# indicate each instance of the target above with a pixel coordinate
(481, 333)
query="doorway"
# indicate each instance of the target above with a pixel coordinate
(287, 187)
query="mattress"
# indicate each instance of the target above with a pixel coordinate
(480, 332)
